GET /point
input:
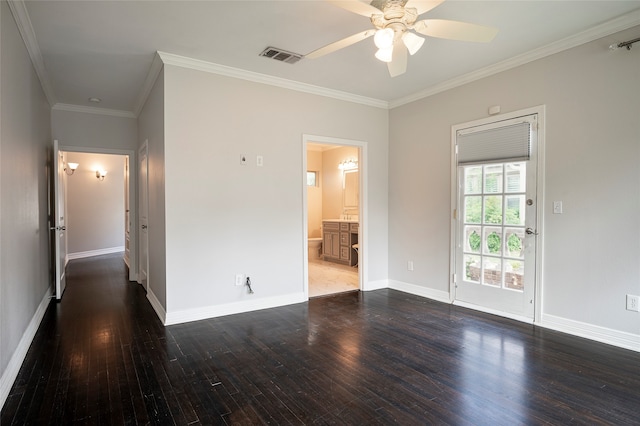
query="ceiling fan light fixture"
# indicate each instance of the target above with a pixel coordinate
(383, 38)
(386, 54)
(412, 41)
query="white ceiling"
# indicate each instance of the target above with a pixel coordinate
(105, 49)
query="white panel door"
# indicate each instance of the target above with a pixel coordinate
(496, 236)
(143, 189)
(59, 226)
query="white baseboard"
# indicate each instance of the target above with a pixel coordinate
(593, 332)
(429, 293)
(91, 253)
(205, 312)
(157, 306)
(13, 368)
(496, 312)
(376, 285)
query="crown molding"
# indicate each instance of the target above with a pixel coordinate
(152, 75)
(94, 110)
(23, 22)
(209, 67)
(611, 27)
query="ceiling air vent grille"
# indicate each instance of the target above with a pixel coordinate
(281, 55)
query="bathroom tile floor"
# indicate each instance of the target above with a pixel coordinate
(329, 278)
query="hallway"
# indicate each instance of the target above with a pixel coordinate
(101, 356)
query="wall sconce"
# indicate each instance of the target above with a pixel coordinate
(72, 167)
(100, 174)
(348, 165)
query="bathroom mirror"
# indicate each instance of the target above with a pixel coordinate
(350, 189)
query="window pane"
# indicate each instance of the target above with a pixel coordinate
(473, 239)
(514, 242)
(472, 268)
(492, 240)
(473, 180)
(516, 177)
(472, 209)
(493, 271)
(514, 213)
(514, 274)
(493, 209)
(493, 179)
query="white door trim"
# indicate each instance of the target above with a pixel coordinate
(538, 291)
(363, 216)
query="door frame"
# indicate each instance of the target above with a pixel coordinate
(540, 179)
(363, 208)
(133, 203)
(144, 150)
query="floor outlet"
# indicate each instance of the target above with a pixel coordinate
(239, 279)
(633, 303)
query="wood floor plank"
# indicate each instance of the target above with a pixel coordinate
(101, 356)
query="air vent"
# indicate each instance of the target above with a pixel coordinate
(281, 55)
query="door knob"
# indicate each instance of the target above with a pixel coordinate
(530, 231)
(144, 226)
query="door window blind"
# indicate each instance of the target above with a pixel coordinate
(508, 142)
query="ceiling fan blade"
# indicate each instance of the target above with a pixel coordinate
(455, 30)
(356, 6)
(423, 6)
(329, 48)
(398, 64)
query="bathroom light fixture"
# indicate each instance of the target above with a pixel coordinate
(348, 165)
(72, 167)
(100, 174)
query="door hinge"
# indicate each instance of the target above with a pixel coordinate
(454, 278)
(455, 214)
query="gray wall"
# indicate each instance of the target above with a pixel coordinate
(25, 155)
(223, 218)
(87, 130)
(591, 252)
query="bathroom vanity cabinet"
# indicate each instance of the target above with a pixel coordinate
(338, 238)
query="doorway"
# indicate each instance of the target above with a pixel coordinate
(333, 219)
(495, 258)
(100, 204)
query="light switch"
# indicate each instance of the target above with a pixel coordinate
(557, 207)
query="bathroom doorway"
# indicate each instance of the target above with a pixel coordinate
(333, 221)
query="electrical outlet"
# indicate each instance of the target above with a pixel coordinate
(633, 303)
(239, 279)
(557, 207)
(259, 161)
(410, 265)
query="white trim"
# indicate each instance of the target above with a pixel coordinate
(589, 331)
(23, 21)
(147, 86)
(157, 306)
(615, 25)
(493, 311)
(209, 67)
(13, 367)
(91, 253)
(205, 312)
(93, 110)
(375, 285)
(418, 290)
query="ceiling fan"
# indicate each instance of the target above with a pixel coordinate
(395, 23)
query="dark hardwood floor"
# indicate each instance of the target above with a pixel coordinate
(101, 356)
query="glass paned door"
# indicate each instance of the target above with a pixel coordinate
(495, 264)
